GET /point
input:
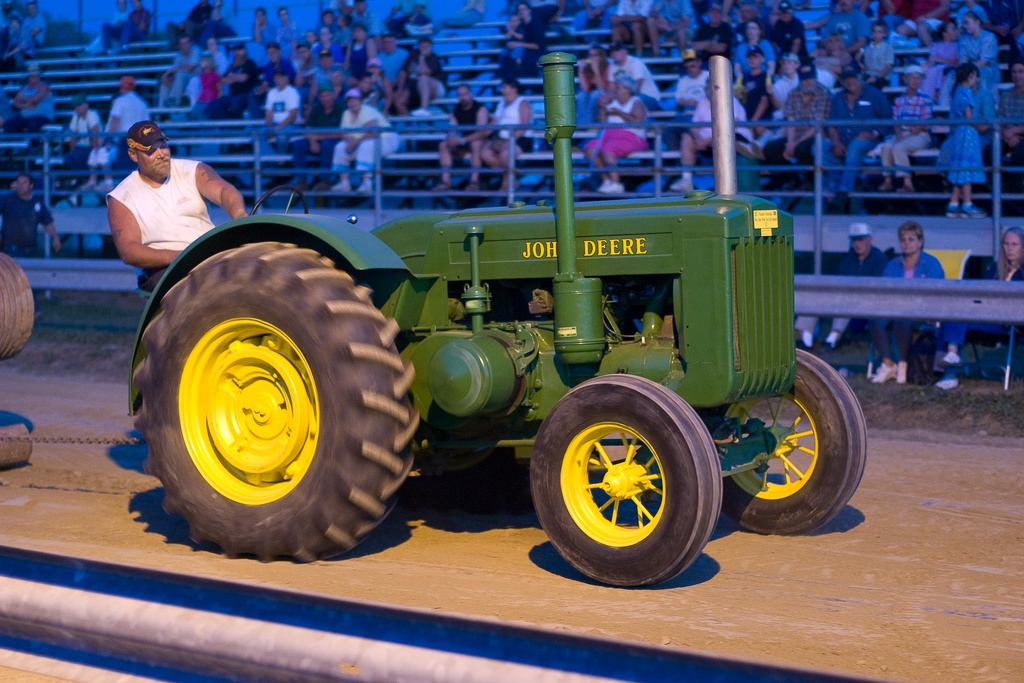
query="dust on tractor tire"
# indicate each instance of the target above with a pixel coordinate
(17, 315)
(291, 370)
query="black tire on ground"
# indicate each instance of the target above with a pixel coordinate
(583, 470)
(17, 310)
(254, 346)
(830, 412)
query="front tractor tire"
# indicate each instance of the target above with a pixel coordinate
(626, 481)
(275, 404)
(819, 460)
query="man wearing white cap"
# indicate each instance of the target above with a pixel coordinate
(360, 146)
(862, 260)
(911, 136)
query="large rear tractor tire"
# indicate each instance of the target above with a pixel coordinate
(626, 481)
(17, 310)
(275, 404)
(819, 461)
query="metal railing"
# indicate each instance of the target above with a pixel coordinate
(406, 175)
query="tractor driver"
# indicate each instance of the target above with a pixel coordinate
(160, 209)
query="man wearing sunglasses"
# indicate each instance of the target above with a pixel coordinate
(159, 209)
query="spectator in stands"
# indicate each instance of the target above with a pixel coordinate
(33, 105)
(852, 25)
(621, 106)
(785, 83)
(943, 58)
(209, 87)
(281, 109)
(848, 145)
(328, 20)
(112, 31)
(512, 110)
(714, 37)
(862, 260)
(378, 92)
(630, 23)
(524, 45)
(286, 35)
(218, 26)
(126, 110)
(275, 63)
(7, 13)
(461, 143)
(787, 32)
(137, 26)
(361, 147)
(391, 57)
(691, 85)
(961, 152)
(20, 47)
(980, 48)
(675, 17)
(241, 78)
(418, 23)
(193, 24)
(925, 17)
(84, 121)
(546, 11)
(326, 42)
(910, 135)
(361, 15)
(326, 114)
(35, 23)
(635, 68)
(160, 208)
(757, 86)
(420, 81)
(321, 77)
(214, 51)
(264, 31)
(594, 81)
(877, 58)
(174, 80)
(831, 59)
(695, 143)
(1011, 106)
(1007, 266)
(22, 213)
(912, 263)
(811, 101)
(398, 16)
(595, 14)
(1006, 21)
(471, 14)
(753, 36)
(360, 50)
(971, 6)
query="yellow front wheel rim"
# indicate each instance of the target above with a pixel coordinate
(795, 458)
(249, 411)
(613, 484)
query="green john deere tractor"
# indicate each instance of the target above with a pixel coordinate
(291, 370)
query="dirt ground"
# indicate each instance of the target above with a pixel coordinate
(920, 578)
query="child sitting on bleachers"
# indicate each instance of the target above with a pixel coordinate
(877, 58)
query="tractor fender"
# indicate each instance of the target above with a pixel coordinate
(353, 250)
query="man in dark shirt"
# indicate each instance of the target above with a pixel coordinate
(848, 145)
(755, 81)
(22, 213)
(193, 24)
(714, 37)
(241, 77)
(1011, 106)
(810, 101)
(274, 63)
(468, 112)
(325, 114)
(788, 32)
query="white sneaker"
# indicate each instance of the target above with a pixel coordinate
(605, 184)
(611, 188)
(105, 186)
(341, 186)
(901, 372)
(832, 339)
(808, 339)
(952, 358)
(884, 374)
(947, 383)
(420, 112)
(684, 184)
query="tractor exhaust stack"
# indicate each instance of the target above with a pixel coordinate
(723, 126)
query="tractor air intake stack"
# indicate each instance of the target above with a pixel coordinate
(579, 325)
(723, 126)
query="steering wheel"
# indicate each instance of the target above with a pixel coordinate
(278, 188)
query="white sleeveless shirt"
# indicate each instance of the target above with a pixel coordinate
(507, 115)
(171, 216)
(617, 108)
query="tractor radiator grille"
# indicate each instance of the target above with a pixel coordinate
(764, 352)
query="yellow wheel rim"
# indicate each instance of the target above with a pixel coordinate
(795, 458)
(249, 411)
(613, 484)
